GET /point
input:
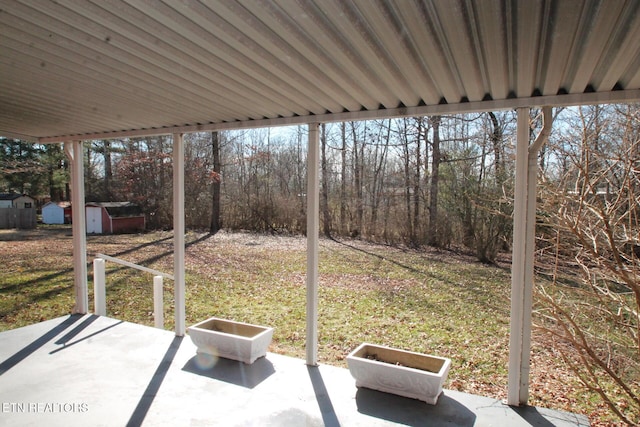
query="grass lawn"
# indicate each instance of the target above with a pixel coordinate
(429, 301)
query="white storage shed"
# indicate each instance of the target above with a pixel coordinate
(52, 213)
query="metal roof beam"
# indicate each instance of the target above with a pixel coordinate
(622, 96)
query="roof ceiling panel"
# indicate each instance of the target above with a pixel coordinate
(467, 61)
(298, 46)
(527, 23)
(491, 41)
(426, 33)
(396, 46)
(624, 49)
(167, 59)
(226, 67)
(257, 41)
(363, 46)
(562, 30)
(77, 68)
(131, 45)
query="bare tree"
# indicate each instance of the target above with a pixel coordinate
(107, 150)
(592, 231)
(144, 171)
(406, 155)
(343, 179)
(358, 150)
(417, 182)
(216, 219)
(436, 158)
(326, 217)
(378, 169)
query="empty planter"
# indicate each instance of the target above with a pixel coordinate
(231, 340)
(405, 373)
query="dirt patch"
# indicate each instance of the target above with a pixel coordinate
(258, 241)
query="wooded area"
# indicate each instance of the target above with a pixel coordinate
(441, 181)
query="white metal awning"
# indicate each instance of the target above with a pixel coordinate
(79, 69)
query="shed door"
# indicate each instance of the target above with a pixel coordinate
(94, 220)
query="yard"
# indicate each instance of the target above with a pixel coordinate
(430, 301)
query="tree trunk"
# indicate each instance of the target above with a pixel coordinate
(357, 169)
(343, 184)
(435, 178)
(407, 181)
(326, 218)
(496, 141)
(416, 186)
(88, 177)
(216, 221)
(377, 188)
(108, 169)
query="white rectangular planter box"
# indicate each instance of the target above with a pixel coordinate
(231, 340)
(405, 373)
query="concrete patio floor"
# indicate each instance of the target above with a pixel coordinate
(98, 371)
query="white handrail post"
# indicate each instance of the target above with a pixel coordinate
(158, 304)
(99, 287)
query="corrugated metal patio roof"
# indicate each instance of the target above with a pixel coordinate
(76, 69)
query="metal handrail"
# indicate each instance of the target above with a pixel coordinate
(99, 283)
(138, 267)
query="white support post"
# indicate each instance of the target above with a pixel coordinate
(522, 269)
(158, 304)
(73, 150)
(178, 233)
(313, 225)
(518, 260)
(99, 287)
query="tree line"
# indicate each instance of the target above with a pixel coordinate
(443, 181)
